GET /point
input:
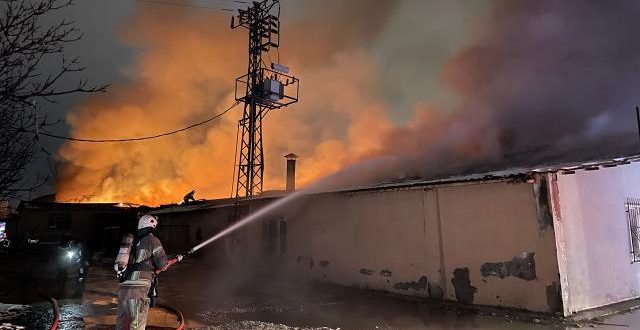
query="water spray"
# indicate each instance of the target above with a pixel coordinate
(348, 177)
(243, 222)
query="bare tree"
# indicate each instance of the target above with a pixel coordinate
(32, 69)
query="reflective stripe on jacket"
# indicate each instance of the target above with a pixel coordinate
(149, 257)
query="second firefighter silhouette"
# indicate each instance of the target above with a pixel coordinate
(189, 198)
(71, 258)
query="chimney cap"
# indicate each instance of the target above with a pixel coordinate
(291, 156)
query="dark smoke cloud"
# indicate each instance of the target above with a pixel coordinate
(553, 70)
(539, 76)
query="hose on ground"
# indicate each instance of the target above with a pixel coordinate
(56, 309)
(53, 301)
(175, 311)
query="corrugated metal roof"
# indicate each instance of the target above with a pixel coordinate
(79, 206)
(511, 173)
(564, 168)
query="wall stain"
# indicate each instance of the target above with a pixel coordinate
(421, 284)
(386, 273)
(367, 272)
(522, 266)
(435, 291)
(300, 259)
(323, 263)
(465, 292)
(554, 297)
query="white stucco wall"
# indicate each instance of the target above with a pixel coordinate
(394, 240)
(593, 236)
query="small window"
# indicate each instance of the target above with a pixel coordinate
(5, 211)
(274, 236)
(283, 237)
(633, 219)
(272, 233)
(59, 221)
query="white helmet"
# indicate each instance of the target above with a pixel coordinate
(148, 221)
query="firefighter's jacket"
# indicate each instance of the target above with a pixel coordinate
(148, 257)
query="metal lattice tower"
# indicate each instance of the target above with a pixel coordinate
(262, 89)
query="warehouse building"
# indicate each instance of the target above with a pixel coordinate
(558, 239)
(99, 225)
(554, 239)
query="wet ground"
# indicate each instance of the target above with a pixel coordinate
(276, 303)
(234, 298)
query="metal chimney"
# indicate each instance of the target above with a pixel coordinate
(291, 171)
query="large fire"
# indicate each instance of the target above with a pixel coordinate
(536, 73)
(185, 72)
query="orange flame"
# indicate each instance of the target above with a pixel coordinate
(185, 72)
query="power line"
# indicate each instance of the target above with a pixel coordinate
(186, 5)
(144, 137)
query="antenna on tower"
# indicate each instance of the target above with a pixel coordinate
(261, 90)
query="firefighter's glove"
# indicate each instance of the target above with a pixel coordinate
(179, 257)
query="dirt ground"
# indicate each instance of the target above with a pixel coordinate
(237, 298)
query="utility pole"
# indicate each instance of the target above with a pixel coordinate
(261, 90)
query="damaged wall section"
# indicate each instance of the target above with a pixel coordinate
(492, 229)
(522, 266)
(469, 242)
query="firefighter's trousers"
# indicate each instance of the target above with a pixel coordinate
(133, 307)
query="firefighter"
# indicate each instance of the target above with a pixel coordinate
(72, 256)
(141, 257)
(69, 257)
(189, 198)
(82, 264)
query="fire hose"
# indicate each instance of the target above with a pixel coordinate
(174, 310)
(54, 303)
(56, 309)
(56, 306)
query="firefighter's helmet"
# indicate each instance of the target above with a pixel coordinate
(148, 221)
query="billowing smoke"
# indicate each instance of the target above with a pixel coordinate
(539, 78)
(533, 75)
(553, 71)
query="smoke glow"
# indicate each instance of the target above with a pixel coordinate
(532, 73)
